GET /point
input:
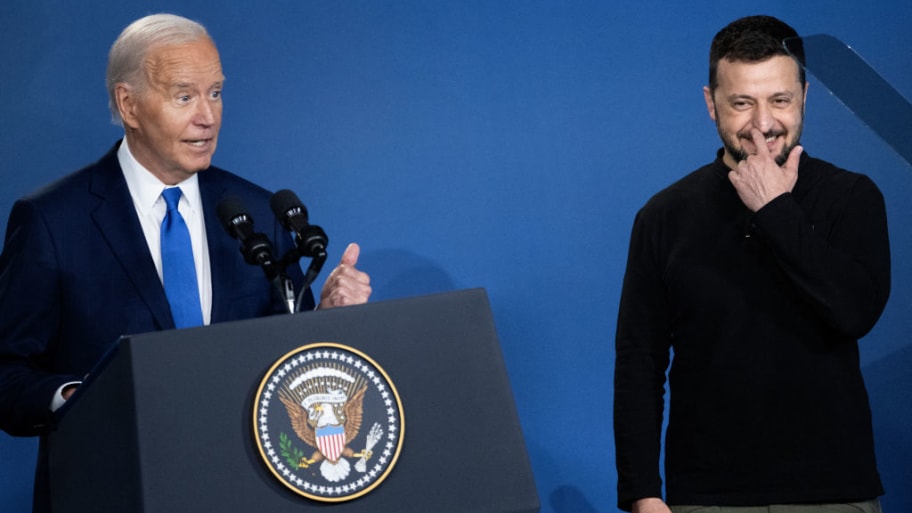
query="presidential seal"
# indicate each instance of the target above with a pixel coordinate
(328, 422)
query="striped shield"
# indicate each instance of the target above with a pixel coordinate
(331, 441)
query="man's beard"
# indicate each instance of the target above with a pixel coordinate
(739, 154)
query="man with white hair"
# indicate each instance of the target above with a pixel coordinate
(88, 258)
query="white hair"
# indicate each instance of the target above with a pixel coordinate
(129, 51)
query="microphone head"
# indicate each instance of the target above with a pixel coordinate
(255, 246)
(289, 210)
(228, 210)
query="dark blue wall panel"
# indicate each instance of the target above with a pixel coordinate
(505, 145)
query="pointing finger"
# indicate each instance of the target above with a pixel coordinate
(759, 142)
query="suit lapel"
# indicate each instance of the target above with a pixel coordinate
(222, 248)
(116, 218)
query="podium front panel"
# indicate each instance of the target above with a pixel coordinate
(193, 393)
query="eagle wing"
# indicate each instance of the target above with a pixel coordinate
(298, 416)
(353, 412)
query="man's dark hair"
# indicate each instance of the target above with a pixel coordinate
(754, 39)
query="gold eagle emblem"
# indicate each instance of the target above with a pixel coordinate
(325, 406)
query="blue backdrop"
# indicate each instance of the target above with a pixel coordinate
(504, 145)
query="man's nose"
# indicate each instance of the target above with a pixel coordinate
(205, 113)
(763, 118)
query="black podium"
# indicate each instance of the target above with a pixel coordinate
(165, 423)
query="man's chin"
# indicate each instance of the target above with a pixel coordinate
(736, 154)
(739, 154)
(196, 165)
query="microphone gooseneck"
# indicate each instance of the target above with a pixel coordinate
(255, 246)
(310, 241)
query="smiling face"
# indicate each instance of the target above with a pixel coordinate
(766, 95)
(172, 121)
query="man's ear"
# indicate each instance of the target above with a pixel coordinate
(804, 104)
(126, 98)
(710, 102)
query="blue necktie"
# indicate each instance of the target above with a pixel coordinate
(178, 269)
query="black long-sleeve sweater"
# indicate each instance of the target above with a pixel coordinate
(762, 312)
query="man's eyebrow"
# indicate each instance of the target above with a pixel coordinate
(741, 96)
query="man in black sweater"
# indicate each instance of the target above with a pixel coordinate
(760, 272)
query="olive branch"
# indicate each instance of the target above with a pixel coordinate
(292, 455)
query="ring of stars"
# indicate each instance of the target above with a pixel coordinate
(386, 450)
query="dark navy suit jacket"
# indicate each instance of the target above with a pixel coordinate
(76, 274)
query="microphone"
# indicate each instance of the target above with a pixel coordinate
(256, 247)
(311, 240)
(289, 210)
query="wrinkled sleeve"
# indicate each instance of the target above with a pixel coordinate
(842, 264)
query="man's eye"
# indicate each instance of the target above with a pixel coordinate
(215, 95)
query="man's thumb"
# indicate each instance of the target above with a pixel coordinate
(350, 256)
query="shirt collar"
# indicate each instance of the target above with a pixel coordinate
(145, 188)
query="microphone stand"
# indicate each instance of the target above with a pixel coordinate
(310, 242)
(257, 250)
(275, 273)
(316, 263)
(285, 288)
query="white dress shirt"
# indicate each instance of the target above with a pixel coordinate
(145, 190)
